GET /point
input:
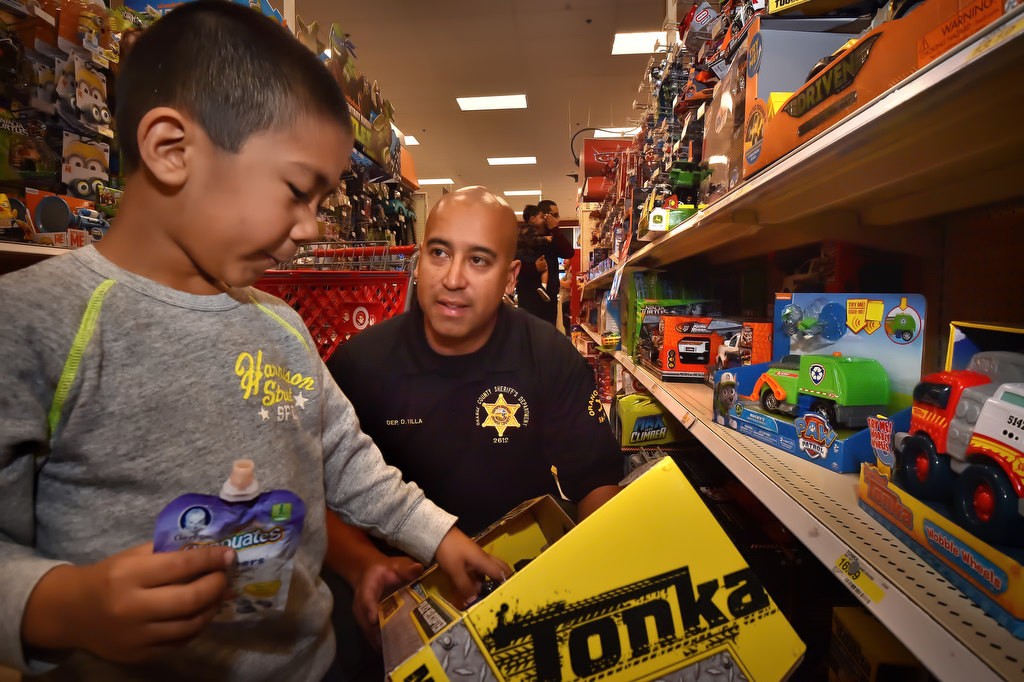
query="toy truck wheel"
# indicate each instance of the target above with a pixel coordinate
(985, 503)
(827, 410)
(769, 400)
(906, 335)
(923, 472)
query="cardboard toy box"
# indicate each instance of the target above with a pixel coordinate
(773, 56)
(639, 419)
(679, 348)
(863, 650)
(879, 60)
(993, 577)
(885, 328)
(52, 218)
(646, 318)
(618, 597)
(968, 338)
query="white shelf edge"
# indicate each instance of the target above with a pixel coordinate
(17, 249)
(929, 637)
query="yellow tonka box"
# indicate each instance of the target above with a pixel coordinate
(873, 64)
(992, 577)
(966, 339)
(647, 585)
(863, 650)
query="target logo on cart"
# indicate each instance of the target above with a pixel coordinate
(361, 318)
(355, 317)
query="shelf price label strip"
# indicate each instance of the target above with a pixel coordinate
(859, 579)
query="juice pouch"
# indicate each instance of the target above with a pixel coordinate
(263, 529)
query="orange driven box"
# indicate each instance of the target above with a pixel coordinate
(876, 62)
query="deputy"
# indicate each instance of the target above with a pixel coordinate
(475, 401)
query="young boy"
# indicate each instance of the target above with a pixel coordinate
(531, 241)
(138, 371)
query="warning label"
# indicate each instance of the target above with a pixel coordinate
(954, 30)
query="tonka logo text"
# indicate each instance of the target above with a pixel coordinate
(629, 625)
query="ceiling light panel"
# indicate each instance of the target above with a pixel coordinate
(522, 192)
(411, 141)
(489, 103)
(638, 43)
(616, 132)
(435, 181)
(512, 160)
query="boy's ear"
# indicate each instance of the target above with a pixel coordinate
(164, 135)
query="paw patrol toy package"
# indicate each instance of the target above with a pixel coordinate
(263, 529)
(839, 360)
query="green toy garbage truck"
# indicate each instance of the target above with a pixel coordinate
(843, 390)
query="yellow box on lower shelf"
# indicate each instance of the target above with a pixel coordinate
(992, 577)
(647, 585)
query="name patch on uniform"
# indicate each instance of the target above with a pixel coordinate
(502, 408)
(408, 421)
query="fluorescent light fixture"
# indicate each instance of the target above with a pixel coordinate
(487, 103)
(328, 53)
(637, 43)
(411, 141)
(522, 192)
(718, 160)
(512, 160)
(616, 132)
(435, 181)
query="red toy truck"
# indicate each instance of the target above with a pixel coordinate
(966, 445)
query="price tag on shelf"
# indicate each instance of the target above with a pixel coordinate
(859, 579)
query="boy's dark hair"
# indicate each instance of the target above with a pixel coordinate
(546, 206)
(529, 212)
(228, 67)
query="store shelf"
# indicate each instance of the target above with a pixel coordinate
(14, 255)
(949, 634)
(602, 281)
(946, 139)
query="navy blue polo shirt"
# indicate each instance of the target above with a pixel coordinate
(480, 432)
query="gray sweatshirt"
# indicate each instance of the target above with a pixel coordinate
(170, 389)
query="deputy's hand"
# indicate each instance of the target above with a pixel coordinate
(377, 581)
(541, 264)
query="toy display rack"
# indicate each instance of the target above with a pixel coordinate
(886, 164)
(948, 633)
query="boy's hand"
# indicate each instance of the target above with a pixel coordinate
(467, 565)
(541, 264)
(130, 607)
(376, 581)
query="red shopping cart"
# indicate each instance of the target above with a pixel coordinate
(341, 288)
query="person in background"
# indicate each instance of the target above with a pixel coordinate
(530, 273)
(476, 401)
(530, 245)
(138, 369)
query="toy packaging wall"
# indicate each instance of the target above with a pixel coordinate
(60, 169)
(745, 84)
(818, 372)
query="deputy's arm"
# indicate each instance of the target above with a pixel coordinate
(371, 573)
(594, 499)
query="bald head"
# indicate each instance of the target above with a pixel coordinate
(485, 208)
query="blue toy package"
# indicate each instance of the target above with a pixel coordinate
(263, 529)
